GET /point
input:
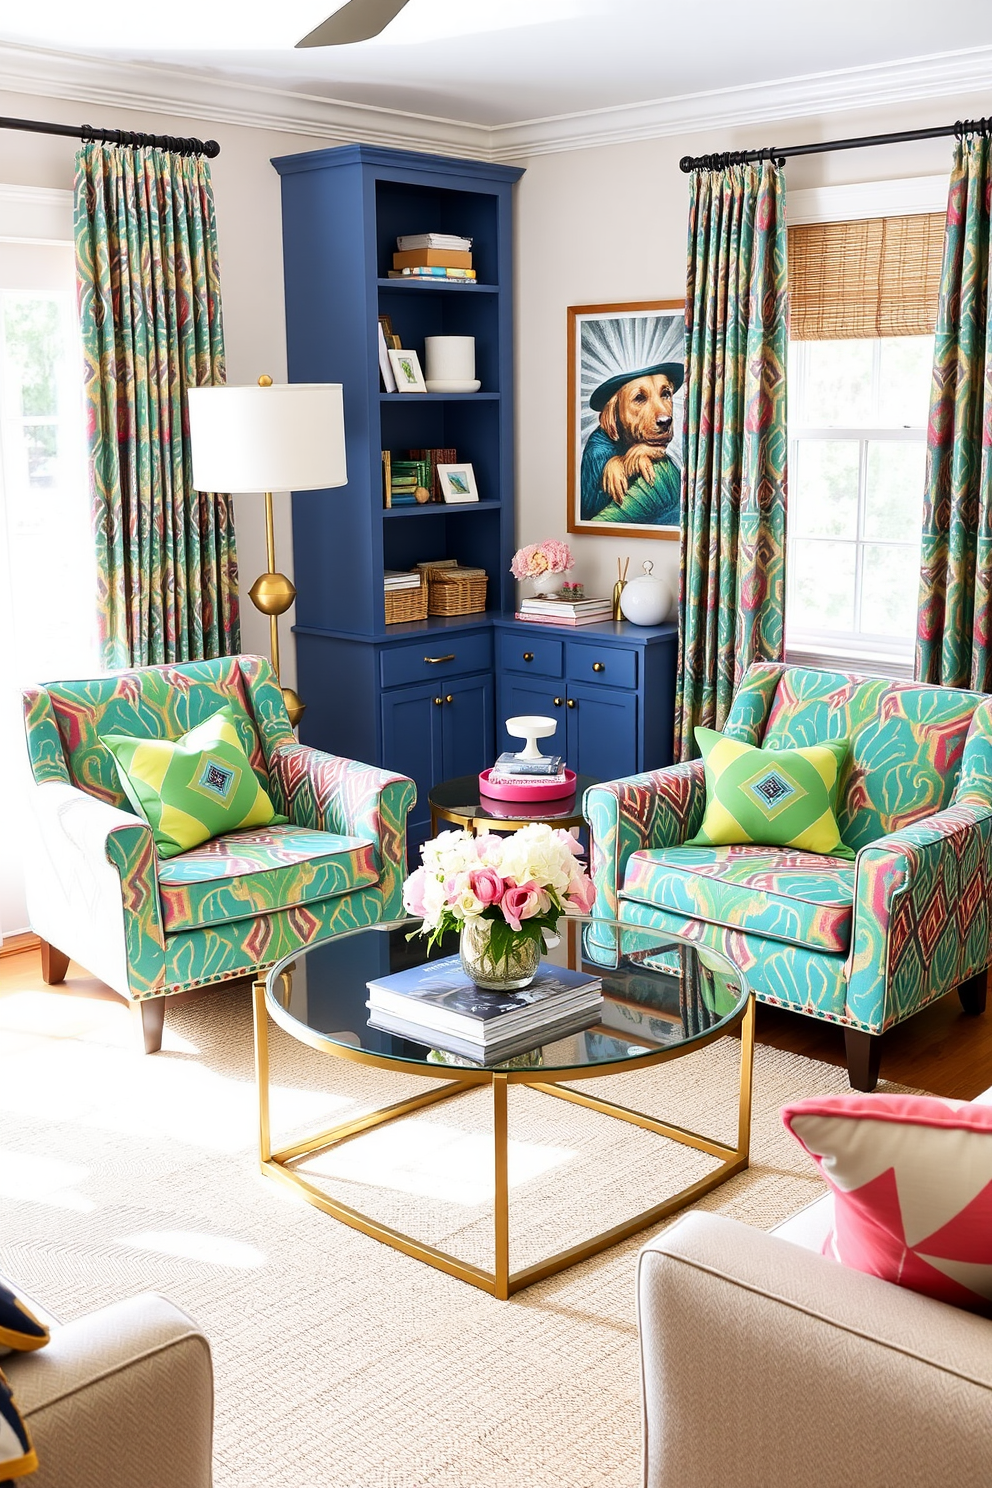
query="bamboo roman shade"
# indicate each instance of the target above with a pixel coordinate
(877, 277)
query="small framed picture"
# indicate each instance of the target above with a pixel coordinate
(457, 483)
(406, 370)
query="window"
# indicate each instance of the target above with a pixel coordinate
(47, 563)
(857, 464)
(864, 300)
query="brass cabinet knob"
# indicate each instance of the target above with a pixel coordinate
(558, 702)
(599, 666)
(438, 702)
(450, 698)
(572, 703)
(528, 656)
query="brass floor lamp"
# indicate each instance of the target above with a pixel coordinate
(285, 437)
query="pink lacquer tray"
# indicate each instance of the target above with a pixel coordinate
(528, 790)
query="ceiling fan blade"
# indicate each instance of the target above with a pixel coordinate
(357, 21)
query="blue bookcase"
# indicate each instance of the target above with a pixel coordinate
(416, 697)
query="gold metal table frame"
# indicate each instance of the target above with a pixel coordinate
(500, 1282)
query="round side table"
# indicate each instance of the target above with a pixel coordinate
(460, 801)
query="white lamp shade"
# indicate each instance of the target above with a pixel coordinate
(287, 437)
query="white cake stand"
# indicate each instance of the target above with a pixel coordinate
(531, 728)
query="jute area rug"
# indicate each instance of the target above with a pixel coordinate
(340, 1363)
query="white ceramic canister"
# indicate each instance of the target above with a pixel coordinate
(647, 599)
(450, 358)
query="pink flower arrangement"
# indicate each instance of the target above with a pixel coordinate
(522, 883)
(537, 559)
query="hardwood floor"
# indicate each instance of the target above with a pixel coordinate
(941, 1050)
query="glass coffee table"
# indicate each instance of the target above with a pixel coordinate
(662, 999)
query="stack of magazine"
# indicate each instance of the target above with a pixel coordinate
(439, 1005)
(514, 767)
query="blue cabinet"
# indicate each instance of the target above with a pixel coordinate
(612, 686)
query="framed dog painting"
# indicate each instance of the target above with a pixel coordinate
(626, 369)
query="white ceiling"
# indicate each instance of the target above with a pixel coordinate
(493, 62)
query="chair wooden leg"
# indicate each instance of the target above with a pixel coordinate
(973, 993)
(864, 1053)
(54, 964)
(149, 1021)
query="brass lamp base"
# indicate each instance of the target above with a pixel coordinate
(295, 706)
(272, 593)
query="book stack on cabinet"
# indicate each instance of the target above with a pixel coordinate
(433, 256)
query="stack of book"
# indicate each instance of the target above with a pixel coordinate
(433, 256)
(565, 611)
(393, 579)
(434, 458)
(406, 482)
(440, 1006)
(511, 766)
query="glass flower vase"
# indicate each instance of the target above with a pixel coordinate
(503, 974)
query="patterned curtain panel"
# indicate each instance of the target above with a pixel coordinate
(954, 629)
(149, 298)
(732, 592)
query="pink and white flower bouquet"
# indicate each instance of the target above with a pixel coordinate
(539, 560)
(521, 884)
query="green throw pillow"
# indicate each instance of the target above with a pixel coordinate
(771, 797)
(193, 788)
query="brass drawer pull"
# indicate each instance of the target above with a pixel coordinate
(599, 666)
(558, 702)
(434, 660)
(572, 703)
(528, 656)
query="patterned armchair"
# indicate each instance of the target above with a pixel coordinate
(97, 891)
(863, 944)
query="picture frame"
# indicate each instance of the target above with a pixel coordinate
(457, 483)
(406, 370)
(625, 432)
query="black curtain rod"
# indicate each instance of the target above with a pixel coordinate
(128, 137)
(779, 153)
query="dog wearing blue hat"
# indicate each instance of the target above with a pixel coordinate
(626, 474)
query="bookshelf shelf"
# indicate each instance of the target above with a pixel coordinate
(343, 210)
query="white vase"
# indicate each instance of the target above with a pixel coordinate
(450, 358)
(647, 599)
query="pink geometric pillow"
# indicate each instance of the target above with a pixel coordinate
(912, 1183)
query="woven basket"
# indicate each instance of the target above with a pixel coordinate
(406, 604)
(452, 591)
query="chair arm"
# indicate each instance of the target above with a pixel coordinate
(766, 1366)
(921, 921)
(93, 888)
(333, 794)
(119, 1398)
(658, 809)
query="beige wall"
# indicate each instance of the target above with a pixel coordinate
(607, 226)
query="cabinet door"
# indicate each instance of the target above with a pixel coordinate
(466, 727)
(411, 741)
(534, 695)
(602, 731)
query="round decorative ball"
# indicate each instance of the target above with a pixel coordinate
(647, 599)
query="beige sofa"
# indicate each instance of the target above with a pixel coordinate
(122, 1398)
(764, 1365)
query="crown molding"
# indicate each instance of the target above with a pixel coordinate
(35, 214)
(211, 97)
(946, 74)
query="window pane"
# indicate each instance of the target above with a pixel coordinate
(894, 494)
(34, 337)
(904, 380)
(824, 488)
(837, 384)
(822, 585)
(889, 590)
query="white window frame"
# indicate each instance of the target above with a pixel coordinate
(881, 656)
